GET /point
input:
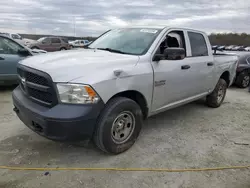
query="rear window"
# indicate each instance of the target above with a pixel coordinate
(64, 40)
(198, 44)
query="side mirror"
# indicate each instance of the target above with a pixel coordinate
(171, 54)
(23, 52)
(174, 53)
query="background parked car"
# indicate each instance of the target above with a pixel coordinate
(18, 38)
(221, 48)
(78, 43)
(243, 71)
(230, 47)
(242, 48)
(235, 48)
(50, 44)
(214, 47)
(11, 52)
(247, 48)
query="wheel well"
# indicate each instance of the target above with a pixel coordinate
(137, 97)
(226, 77)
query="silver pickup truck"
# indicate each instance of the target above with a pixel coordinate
(126, 75)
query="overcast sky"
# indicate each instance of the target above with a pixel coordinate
(92, 17)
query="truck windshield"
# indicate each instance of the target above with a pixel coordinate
(134, 41)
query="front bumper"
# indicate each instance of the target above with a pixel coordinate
(63, 122)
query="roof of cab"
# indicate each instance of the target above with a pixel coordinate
(164, 27)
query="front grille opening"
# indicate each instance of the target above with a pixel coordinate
(40, 95)
(36, 92)
(34, 78)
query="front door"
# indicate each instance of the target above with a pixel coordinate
(46, 45)
(174, 80)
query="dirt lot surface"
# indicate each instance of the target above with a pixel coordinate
(191, 136)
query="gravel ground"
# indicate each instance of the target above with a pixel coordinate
(186, 137)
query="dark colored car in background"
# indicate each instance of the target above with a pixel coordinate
(242, 48)
(242, 79)
(50, 44)
(11, 52)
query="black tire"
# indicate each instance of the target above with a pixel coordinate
(104, 137)
(34, 47)
(242, 80)
(61, 49)
(216, 98)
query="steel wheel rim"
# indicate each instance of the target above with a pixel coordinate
(245, 81)
(123, 127)
(220, 95)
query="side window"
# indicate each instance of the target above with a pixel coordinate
(174, 39)
(198, 44)
(46, 41)
(65, 40)
(15, 36)
(55, 40)
(8, 46)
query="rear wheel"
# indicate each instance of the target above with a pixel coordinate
(61, 49)
(243, 80)
(118, 126)
(216, 98)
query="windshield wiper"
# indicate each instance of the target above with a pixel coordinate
(112, 50)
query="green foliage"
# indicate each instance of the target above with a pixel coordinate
(240, 39)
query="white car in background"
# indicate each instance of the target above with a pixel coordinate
(247, 48)
(78, 43)
(18, 38)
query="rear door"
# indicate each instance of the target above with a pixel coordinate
(202, 61)
(55, 44)
(9, 58)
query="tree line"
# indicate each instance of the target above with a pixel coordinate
(239, 39)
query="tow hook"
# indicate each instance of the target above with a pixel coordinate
(15, 109)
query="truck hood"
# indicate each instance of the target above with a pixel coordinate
(65, 66)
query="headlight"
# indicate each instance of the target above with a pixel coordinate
(77, 94)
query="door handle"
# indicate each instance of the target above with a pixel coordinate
(210, 64)
(1, 58)
(185, 66)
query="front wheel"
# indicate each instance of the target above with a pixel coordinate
(118, 126)
(216, 98)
